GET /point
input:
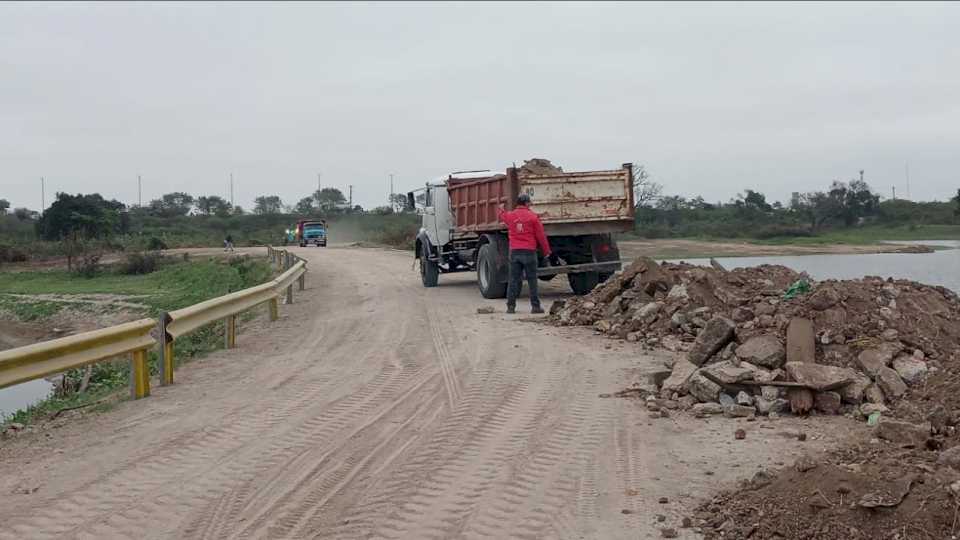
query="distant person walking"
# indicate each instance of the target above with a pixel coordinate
(526, 235)
(228, 243)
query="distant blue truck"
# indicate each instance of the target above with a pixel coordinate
(309, 231)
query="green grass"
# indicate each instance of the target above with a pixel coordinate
(172, 287)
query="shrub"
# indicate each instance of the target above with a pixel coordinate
(12, 254)
(156, 244)
(141, 263)
(89, 265)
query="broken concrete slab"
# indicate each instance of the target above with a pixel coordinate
(677, 381)
(739, 411)
(890, 382)
(717, 333)
(725, 372)
(818, 376)
(854, 392)
(871, 360)
(765, 351)
(706, 409)
(703, 388)
(767, 406)
(902, 433)
(801, 341)
(873, 394)
(827, 402)
(910, 368)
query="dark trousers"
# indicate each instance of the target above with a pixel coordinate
(523, 261)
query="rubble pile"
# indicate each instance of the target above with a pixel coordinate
(749, 345)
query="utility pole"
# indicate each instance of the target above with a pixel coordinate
(391, 191)
(861, 175)
(231, 191)
(318, 183)
(351, 196)
(906, 169)
(894, 189)
(43, 195)
(139, 192)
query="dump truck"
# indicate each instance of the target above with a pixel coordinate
(311, 231)
(581, 211)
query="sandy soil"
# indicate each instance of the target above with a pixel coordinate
(376, 408)
(676, 248)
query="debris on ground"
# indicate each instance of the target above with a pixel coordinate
(770, 341)
(767, 339)
(485, 310)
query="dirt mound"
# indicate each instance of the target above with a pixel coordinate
(766, 340)
(864, 491)
(538, 166)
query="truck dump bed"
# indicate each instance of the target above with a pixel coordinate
(588, 202)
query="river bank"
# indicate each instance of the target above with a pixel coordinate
(677, 248)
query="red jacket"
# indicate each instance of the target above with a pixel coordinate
(525, 230)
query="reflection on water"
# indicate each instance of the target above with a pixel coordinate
(939, 268)
(23, 395)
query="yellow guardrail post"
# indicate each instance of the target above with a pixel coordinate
(302, 280)
(230, 332)
(274, 309)
(165, 350)
(139, 375)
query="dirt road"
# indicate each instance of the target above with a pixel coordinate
(378, 409)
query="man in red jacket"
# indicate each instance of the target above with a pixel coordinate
(526, 234)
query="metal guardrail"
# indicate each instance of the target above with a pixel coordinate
(46, 358)
(177, 323)
(49, 357)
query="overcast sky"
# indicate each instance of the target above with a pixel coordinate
(711, 98)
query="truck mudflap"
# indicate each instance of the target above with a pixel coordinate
(602, 267)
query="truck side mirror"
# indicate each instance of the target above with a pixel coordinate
(411, 202)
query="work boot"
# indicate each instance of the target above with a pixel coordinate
(511, 310)
(536, 310)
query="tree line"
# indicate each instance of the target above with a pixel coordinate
(750, 214)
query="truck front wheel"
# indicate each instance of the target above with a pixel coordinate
(429, 271)
(490, 286)
(583, 282)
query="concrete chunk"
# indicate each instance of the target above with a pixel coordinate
(818, 376)
(801, 344)
(677, 381)
(703, 388)
(763, 351)
(890, 382)
(717, 333)
(871, 360)
(726, 373)
(903, 433)
(910, 368)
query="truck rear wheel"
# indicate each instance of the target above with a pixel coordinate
(490, 286)
(429, 271)
(583, 282)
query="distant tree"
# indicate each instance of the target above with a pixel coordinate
(238, 210)
(4, 205)
(382, 210)
(25, 214)
(305, 206)
(172, 204)
(645, 191)
(956, 200)
(398, 201)
(212, 205)
(856, 200)
(78, 220)
(329, 199)
(357, 209)
(755, 200)
(267, 204)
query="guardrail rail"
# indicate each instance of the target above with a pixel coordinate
(40, 360)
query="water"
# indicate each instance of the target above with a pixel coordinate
(939, 268)
(23, 395)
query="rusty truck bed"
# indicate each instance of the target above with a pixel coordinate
(587, 202)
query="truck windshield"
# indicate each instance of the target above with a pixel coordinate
(313, 227)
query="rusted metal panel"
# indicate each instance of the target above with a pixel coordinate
(565, 198)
